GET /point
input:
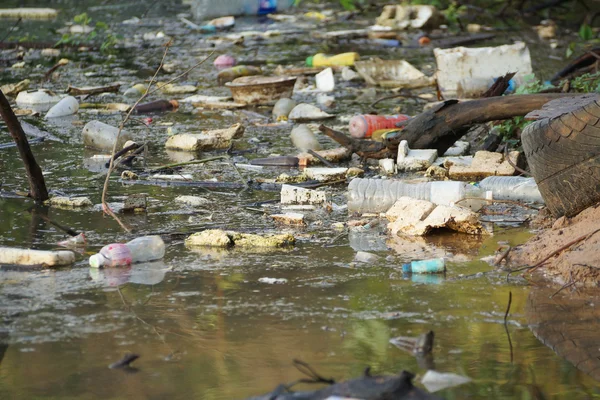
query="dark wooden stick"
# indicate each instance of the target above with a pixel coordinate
(37, 185)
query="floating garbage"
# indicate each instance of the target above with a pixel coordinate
(325, 81)
(28, 13)
(156, 106)
(298, 195)
(171, 89)
(363, 126)
(142, 249)
(379, 195)
(304, 139)
(461, 64)
(224, 61)
(74, 241)
(261, 89)
(392, 74)
(410, 16)
(194, 201)
(433, 266)
(484, 164)
(36, 97)
(515, 188)
(289, 218)
(420, 217)
(414, 160)
(209, 140)
(10, 89)
(69, 202)
(67, 106)
(204, 9)
(282, 108)
(101, 136)
(308, 112)
(136, 90)
(229, 74)
(339, 60)
(29, 257)
(221, 238)
(435, 381)
(272, 281)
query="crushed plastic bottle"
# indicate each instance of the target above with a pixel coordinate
(378, 195)
(142, 249)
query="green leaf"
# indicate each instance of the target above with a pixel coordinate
(585, 32)
(570, 50)
(101, 25)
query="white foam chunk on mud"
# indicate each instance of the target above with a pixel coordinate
(435, 381)
(28, 13)
(19, 256)
(209, 140)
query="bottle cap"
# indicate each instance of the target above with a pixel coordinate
(406, 268)
(97, 260)
(309, 61)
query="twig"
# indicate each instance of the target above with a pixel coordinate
(502, 256)
(498, 201)
(566, 285)
(181, 164)
(177, 77)
(11, 29)
(543, 261)
(512, 164)
(321, 158)
(506, 325)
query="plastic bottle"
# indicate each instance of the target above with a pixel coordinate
(67, 106)
(432, 266)
(378, 195)
(142, 249)
(304, 139)
(363, 126)
(282, 108)
(339, 60)
(224, 61)
(515, 188)
(99, 135)
(158, 105)
(229, 74)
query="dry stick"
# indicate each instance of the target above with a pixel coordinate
(566, 246)
(37, 185)
(506, 326)
(187, 71)
(512, 164)
(11, 29)
(501, 256)
(320, 158)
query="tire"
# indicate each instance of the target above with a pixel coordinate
(563, 151)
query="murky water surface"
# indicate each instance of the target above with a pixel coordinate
(204, 325)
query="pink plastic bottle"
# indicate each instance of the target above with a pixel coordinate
(112, 255)
(363, 126)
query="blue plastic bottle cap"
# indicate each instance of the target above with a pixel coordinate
(406, 268)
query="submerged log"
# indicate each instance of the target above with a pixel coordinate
(441, 126)
(37, 185)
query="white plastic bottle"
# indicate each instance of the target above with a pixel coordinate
(67, 106)
(142, 249)
(304, 139)
(517, 188)
(378, 195)
(101, 136)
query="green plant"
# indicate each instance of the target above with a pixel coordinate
(586, 83)
(91, 34)
(585, 32)
(347, 4)
(453, 13)
(532, 85)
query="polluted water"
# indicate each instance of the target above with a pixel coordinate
(225, 320)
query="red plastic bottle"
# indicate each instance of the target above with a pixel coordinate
(363, 126)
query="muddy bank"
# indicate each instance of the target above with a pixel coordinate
(576, 243)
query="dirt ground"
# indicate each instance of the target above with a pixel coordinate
(578, 262)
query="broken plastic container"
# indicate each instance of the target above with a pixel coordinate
(433, 266)
(378, 195)
(339, 60)
(516, 188)
(142, 249)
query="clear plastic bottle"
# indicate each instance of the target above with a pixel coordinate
(142, 249)
(517, 188)
(378, 195)
(282, 108)
(101, 136)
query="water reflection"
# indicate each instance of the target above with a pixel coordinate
(150, 273)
